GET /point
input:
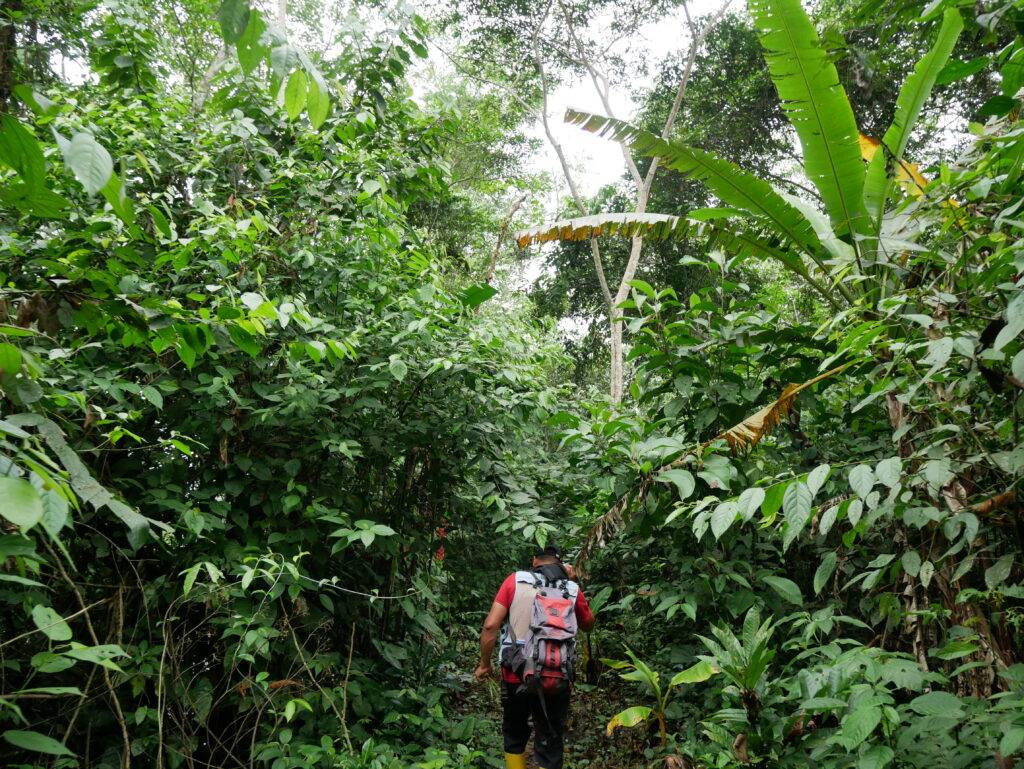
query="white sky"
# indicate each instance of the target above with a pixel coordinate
(596, 161)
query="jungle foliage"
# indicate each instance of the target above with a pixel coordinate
(272, 431)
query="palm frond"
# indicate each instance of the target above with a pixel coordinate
(816, 105)
(734, 186)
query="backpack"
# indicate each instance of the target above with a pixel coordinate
(546, 659)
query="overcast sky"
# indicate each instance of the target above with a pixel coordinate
(594, 160)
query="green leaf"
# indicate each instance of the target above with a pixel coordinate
(915, 91)
(683, 480)
(295, 94)
(244, 341)
(1011, 740)
(101, 655)
(477, 294)
(824, 571)
(153, 395)
(55, 512)
(694, 674)
(997, 573)
(937, 704)
(191, 574)
(628, 718)
(796, 505)
(816, 478)
(911, 561)
(20, 503)
(398, 368)
(36, 742)
(958, 70)
(888, 471)
(35, 201)
(250, 50)
(10, 359)
(749, 502)
(88, 160)
(20, 150)
(723, 517)
(50, 623)
(734, 186)
(859, 725)
(113, 192)
(234, 18)
(862, 478)
(876, 757)
(816, 105)
(786, 588)
(926, 572)
(938, 473)
(318, 103)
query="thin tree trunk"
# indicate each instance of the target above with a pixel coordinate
(642, 183)
(8, 52)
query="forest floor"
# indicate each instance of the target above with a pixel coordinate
(586, 745)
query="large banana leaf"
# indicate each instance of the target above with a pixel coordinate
(816, 105)
(664, 227)
(729, 182)
(656, 226)
(913, 95)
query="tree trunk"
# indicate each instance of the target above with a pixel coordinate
(8, 52)
(615, 372)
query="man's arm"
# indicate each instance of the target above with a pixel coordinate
(488, 637)
(584, 616)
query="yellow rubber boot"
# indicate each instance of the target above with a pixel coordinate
(515, 761)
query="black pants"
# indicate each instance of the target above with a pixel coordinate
(518, 708)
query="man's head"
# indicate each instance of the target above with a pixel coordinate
(546, 555)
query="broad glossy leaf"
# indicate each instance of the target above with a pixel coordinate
(997, 573)
(88, 160)
(318, 103)
(913, 95)
(816, 105)
(628, 718)
(861, 478)
(734, 186)
(20, 503)
(234, 18)
(10, 359)
(786, 588)
(20, 150)
(295, 91)
(824, 571)
(36, 742)
(876, 757)
(722, 518)
(858, 725)
(694, 674)
(937, 704)
(50, 623)
(683, 480)
(796, 506)
(476, 295)
(911, 561)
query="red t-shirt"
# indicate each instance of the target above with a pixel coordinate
(507, 592)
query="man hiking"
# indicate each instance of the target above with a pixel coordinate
(538, 612)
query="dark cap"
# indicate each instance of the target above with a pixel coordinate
(550, 551)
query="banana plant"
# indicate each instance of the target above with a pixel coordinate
(832, 251)
(638, 671)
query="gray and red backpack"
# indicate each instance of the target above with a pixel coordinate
(538, 644)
